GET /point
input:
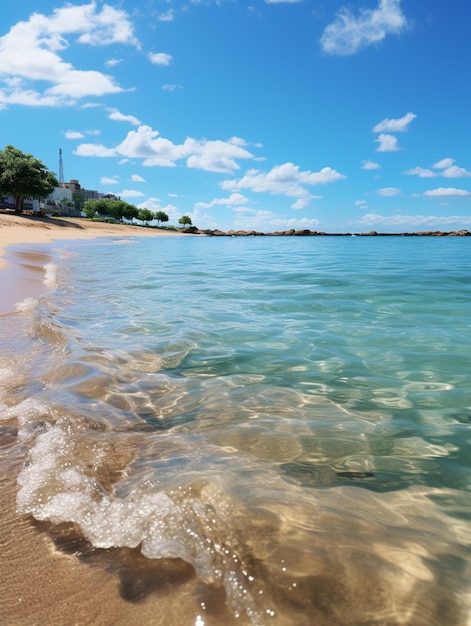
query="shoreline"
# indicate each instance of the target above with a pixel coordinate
(26, 229)
(49, 576)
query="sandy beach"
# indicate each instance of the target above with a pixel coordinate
(26, 229)
(24, 246)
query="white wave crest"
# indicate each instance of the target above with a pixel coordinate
(50, 278)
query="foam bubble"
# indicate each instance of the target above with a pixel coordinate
(27, 306)
(50, 278)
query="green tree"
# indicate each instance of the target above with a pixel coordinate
(23, 176)
(145, 215)
(160, 216)
(117, 209)
(130, 211)
(90, 208)
(185, 220)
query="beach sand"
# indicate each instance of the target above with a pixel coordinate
(24, 245)
(49, 575)
(26, 229)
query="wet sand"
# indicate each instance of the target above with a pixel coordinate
(49, 575)
(24, 229)
(26, 240)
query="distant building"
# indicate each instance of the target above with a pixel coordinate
(79, 194)
(60, 194)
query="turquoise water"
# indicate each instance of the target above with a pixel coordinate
(289, 417)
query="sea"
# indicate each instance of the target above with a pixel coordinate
(280, 425)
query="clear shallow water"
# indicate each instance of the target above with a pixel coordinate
(286, 421)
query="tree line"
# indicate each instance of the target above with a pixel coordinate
(119, 210)
(23, 176)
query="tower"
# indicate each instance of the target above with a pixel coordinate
(61, 168)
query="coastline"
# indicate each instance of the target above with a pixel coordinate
(25, 243)
(48, 577)
(26, 229)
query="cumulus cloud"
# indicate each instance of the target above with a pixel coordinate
(443, 164)
(399, 125)
(388, 191)
(449, 170)
(74, 134)
(387, 143)
(106, 180)
(31, 53)
(420, 172)
(146, 143)
(287, 180)
(349, 33)
(370, 165)
(113, 62)
(94, 150)
(131, 193)
(160, 58)
(456, 172)
(116, 115)
(234, 199)
(429, 222)
(447, 192)
(267, 221)
(137, 179)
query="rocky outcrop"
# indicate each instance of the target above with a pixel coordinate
(314, 233)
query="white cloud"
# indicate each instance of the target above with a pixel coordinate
(448, 170)
(348, 34)
(106, 180)
(447, 192)
(31, 52)
(408, 222)
(168, 16)
(116, 115)
(145, 143)
(361, 204)
(388, 191)
(74, 134)
(370, 165)
(168, 87)
(266, 221)
(160, 58)
(216, 156)
(420, 172)
(113, 62)
(137, 179)
(456, 172)
(443, 164)
(387, 143)
(131, 193)
(286, 179)
(399, 125)
(95, 150)
(302, 203)
(233, 200)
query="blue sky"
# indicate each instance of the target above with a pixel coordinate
(330, 115)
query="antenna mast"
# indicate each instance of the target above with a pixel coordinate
(61, 167)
